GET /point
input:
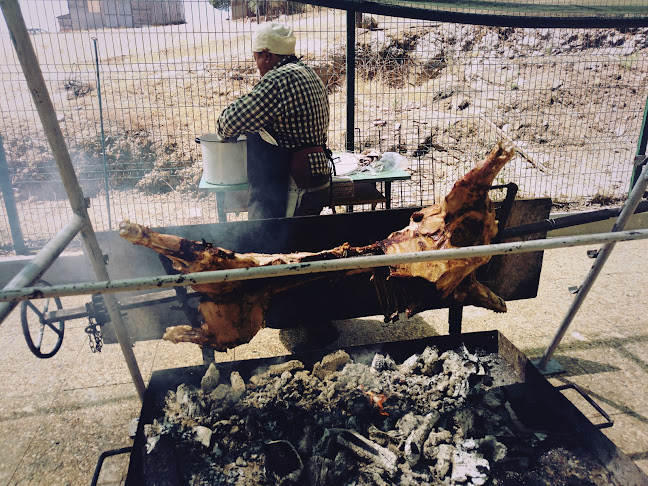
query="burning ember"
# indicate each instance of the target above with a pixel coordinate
(433, 419)
(377, 400)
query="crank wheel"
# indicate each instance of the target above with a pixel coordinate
(43, 338)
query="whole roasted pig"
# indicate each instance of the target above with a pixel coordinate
(235, 311)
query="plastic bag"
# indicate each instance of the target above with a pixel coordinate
(392, 161)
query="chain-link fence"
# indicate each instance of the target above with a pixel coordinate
(135, 82)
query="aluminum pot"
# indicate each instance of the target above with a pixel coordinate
(223, 162)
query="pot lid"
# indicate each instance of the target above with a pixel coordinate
(214, 137)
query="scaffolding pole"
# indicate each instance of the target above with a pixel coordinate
(38, 89)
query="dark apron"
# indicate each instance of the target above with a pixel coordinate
(268, 169)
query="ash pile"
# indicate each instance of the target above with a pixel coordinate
(433, 419)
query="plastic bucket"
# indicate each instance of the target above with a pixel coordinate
(223, 162)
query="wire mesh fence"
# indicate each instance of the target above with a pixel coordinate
(135, 82)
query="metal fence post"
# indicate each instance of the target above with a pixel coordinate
(10, 203)
(640, 159)
(103, 135)
(350, 79)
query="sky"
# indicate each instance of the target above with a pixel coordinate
(41, 14)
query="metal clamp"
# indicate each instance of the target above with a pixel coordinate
(640, 160)
(609, 422)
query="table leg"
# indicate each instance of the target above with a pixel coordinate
(387, 194)
(220, 207)
(455, 316)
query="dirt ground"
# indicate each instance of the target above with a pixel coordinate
(442, 94)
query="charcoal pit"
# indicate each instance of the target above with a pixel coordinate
(448, 410)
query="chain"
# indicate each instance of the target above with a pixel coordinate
(95, 338)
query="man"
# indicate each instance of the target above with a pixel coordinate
(285, 118)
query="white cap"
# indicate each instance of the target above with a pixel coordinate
(277, 38)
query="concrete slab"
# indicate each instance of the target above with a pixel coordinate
(631, 430)
(611, 378)
(81, 425)
(22, 419)
(58, 415)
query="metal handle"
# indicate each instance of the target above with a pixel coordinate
(589, 399)
(102, 457)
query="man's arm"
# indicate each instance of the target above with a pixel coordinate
(250, 112)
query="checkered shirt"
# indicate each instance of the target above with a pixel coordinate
(291, 103)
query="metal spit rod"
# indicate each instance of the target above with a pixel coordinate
(354, 263)
(47, 114)
(602, 256)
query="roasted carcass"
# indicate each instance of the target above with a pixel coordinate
(235, 311)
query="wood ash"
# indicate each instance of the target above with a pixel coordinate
(433, 419)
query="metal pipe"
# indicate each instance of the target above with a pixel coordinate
(568, 221)
(47, 114)
(355, 263)
(521, 14)
(10, 204)
(41, 262)
(601, 258)
(103, 135)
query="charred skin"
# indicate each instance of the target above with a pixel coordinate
(235, 311)
(466, 217)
